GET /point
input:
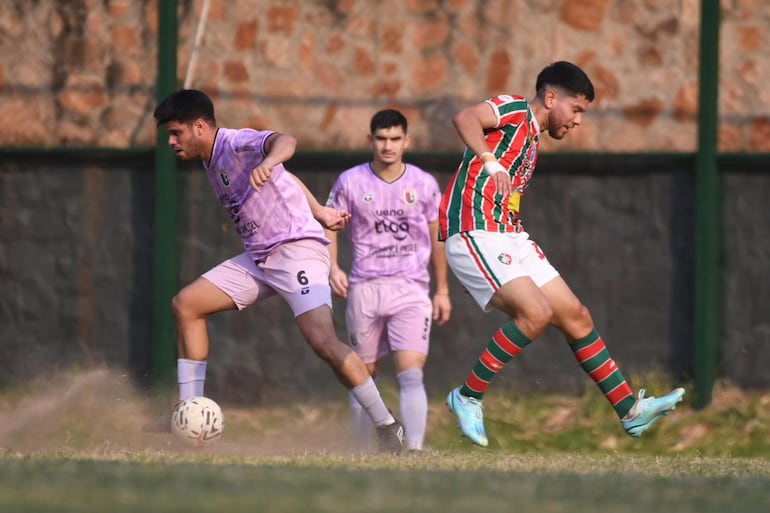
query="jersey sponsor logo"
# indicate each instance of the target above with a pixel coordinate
(247, 229)
(224, 178)
(399, 227)
(410, 196)
(392, 212)
(505, 258)
(368, 197)
(245, 149)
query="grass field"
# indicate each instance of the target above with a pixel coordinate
(78, 446)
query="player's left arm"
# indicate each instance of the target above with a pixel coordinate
(329, 218)
(278, 149)
(442, 305)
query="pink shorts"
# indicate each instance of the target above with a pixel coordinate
(388, 314)
(298, 271)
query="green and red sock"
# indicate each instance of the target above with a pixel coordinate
(506, 343)
(595, 360)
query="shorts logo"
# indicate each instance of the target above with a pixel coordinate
(505, 258)
(224, 178)
(368, 197)
(410, 196)
(353, 341)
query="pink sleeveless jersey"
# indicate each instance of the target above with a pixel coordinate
(388, 229)
(278, 213)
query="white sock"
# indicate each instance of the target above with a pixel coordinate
(363, 427)
(414, 407)
(370, 400)
(191, 375)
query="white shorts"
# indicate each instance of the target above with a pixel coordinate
(485, 261)
(388, 314)
(298, 271)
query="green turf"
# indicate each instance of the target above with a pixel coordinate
(433, 482)
(79, 446)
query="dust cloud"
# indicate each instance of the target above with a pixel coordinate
(100, 413)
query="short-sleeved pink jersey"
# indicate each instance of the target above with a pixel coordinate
(279, 212)
(388, 229)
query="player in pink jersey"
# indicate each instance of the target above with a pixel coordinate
(502, 268)
(393, 234)
(278, 221)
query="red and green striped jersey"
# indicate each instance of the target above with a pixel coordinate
(470, 201)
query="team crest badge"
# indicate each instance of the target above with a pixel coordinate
(410, 196)
(224, 178)
(505, 258)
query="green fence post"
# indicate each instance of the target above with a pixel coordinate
(164, 244)
(707, 209)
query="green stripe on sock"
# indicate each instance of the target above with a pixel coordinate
(597, 361)
(585, 341)
(624, 406)
(613, 380)
(512, 332)
(515, 335)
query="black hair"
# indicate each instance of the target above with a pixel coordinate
(185, 106)
(567, 76)
(386, 119)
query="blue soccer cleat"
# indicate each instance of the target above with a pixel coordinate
(470, 416)
(647, 410)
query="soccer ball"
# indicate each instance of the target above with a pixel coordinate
(198, 421)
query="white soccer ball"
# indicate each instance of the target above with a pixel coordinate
(198, 421)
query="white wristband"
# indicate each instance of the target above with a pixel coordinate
(493, 167)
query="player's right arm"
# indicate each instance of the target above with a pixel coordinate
(338, 279)
(278, 149)
(329, 218)
(470, 124)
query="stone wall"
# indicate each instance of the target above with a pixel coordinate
(82, 72)
(76, 261)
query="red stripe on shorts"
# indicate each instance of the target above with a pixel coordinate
(478, 261)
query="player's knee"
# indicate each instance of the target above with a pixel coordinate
(536, 318)
(583, 318)
(181, 307)
(322, 343)
(178, 306)
(583, 315)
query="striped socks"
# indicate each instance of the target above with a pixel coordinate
(506, 343)
(595, 360)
